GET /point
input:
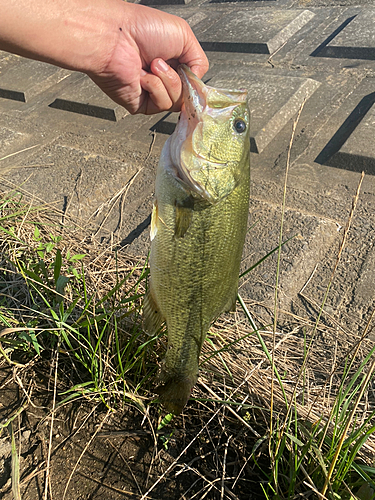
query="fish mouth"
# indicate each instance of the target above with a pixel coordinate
(194, 95)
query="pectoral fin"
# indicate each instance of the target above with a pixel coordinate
(154, 221)
(152, 318)
(184, 216)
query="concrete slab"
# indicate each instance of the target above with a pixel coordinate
(329, 24)
(82, 96)
(15, 147)
(72, 179)
(245, 1)
(353, 39)
(352, 146)
(309, 237)
(358, 151)
(82, 161)
(151, 3)
(249, 31)
(351, 296)
(360, 146)
(364, 291)
(8, 137)
(22, 79)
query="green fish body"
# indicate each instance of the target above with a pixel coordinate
(198, 228)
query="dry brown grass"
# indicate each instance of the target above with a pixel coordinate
(234, 385)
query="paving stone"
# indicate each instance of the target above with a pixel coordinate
(353, 39)
(309, 237)
(85, 98)
(196, 18)
(73, 180)
(303, 48)
(164, 2)
(352, 145)
(328, 3)
(249, 31)
(201, 20)
(22, 79)
(16, 146)
(8, 137)
(351, 297)
(136, 237)
(358, 151)
(364, 290)
(247, 1)
(285, 55)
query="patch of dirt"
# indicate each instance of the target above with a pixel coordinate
(97, 453)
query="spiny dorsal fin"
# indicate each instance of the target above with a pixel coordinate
(152, 318)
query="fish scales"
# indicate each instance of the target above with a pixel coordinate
(198, 229)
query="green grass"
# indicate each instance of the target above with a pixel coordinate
(49, 299)
(66, 300)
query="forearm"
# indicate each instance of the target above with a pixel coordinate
(123, 47)
(73, 34)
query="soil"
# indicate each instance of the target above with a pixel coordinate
(96, 453)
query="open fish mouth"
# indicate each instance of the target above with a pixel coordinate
(194, 94)
(186, 159)
(194, 103)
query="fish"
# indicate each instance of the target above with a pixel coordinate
(198, 228)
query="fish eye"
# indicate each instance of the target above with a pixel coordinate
(239, 125)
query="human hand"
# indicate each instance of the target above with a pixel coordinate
(140, 71)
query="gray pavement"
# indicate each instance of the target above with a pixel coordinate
(69, 144)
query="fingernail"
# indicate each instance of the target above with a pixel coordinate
(162, 65)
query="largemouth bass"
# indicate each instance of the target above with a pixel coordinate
(198, 228)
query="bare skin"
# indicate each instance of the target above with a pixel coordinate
(130, 51)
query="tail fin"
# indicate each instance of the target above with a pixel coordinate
(175, 393)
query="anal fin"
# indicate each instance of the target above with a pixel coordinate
(230, 306)
(152, 317)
